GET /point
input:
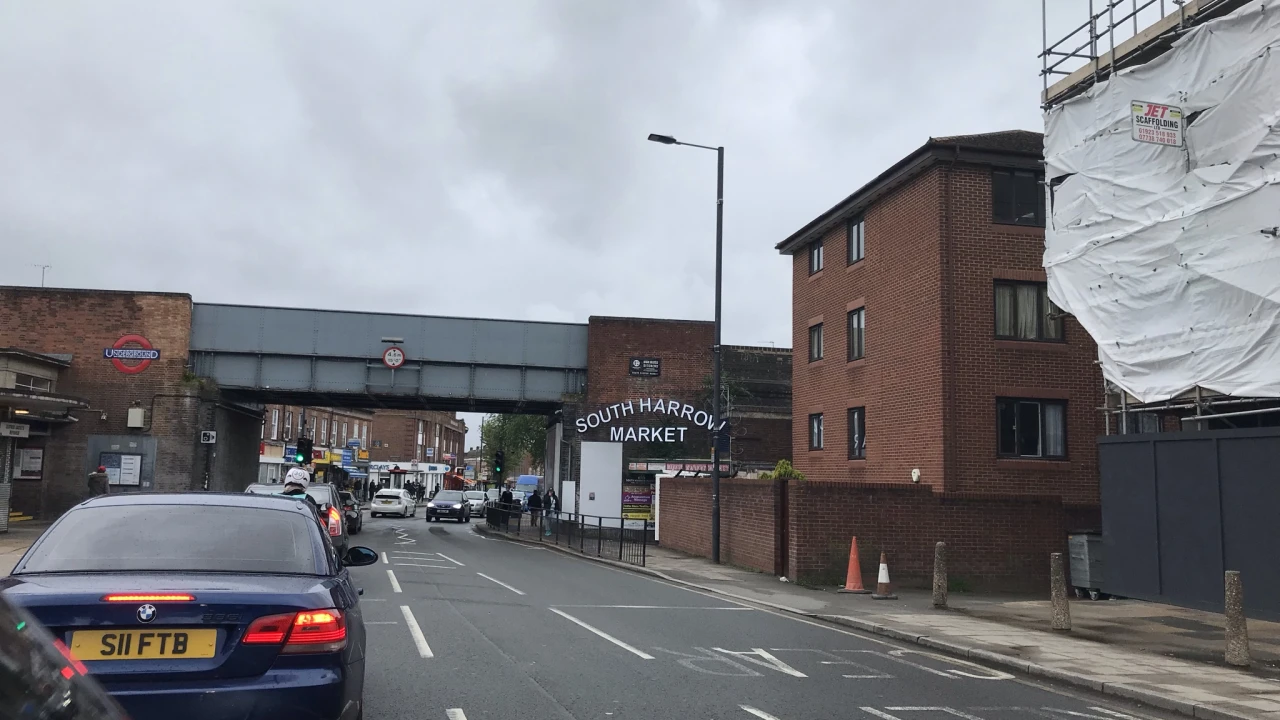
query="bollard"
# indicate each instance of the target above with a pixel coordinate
(940, 575)
(1237, 629)
(1058, 593)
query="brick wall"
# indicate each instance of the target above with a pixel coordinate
(993, 541)
(899, 381)
(83, 323)
(397, 433)
(747, 519)
(985, 368)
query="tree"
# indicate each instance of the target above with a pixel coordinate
(515, 435)
(783, 471)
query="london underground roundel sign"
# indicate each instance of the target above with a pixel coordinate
(393, 357)
(131, 354)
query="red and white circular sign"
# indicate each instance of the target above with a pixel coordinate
(393, 357)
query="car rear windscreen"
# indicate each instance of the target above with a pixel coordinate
(388, 494)
(177, 538)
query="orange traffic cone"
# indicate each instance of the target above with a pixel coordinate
(884, 589)
(853, 581)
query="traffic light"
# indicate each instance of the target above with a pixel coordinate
(303, 455)
(498, 461)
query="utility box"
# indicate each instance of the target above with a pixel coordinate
(137, 418)
(1086, 564)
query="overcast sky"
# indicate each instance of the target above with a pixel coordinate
(479, 158)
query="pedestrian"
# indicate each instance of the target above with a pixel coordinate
(551, 508)
(535, 509)
(506, 502)
(99, 482)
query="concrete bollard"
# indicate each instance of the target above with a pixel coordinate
(1058, 593)
(1237, 629)
(940, 575)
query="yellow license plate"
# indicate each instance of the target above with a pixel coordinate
(157, 644)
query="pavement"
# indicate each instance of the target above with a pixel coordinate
(1165, 657)
(16, 541)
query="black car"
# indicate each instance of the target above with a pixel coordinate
(329, 505)
(355, 516)
(40, 679)
(449, 504)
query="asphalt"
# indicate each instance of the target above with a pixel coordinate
(546, 635)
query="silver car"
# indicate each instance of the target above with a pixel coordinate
(476, 499)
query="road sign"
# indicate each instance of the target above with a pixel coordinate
(393, 357)
(208, 437)
(14, 430)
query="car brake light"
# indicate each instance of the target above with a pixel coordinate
(309, 631)
(335, 522)
(161, 597)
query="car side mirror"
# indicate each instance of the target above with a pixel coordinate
(358, 556)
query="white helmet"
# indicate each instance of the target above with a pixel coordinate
(297, 476)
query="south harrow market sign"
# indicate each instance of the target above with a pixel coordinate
(647, 433)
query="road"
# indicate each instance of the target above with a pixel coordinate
(463, 626)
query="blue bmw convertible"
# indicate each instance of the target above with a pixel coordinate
(202, 606)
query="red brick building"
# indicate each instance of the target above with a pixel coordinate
(925, 338)
(938, 395)
(138, 410)
(417, 435)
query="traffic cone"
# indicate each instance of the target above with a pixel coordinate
(853, 581)
(884, 589)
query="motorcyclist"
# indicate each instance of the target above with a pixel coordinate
(295, 485)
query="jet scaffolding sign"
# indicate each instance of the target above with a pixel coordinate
(1155, 123)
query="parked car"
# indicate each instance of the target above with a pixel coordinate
(393, 502)
(355, 515)
(163, 596)
(449, 504)
(328, 504)
(40, 679)
(477, 501)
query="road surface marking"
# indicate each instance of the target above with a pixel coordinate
(639, 653)
(655, 607)
(486, 577)
(455, 714)
(381, 622)
(395, 584)
(455, 562)
(433, 567)
(882, 715)
(411, 552)
(385, 561)
(934, 708)
(758, 713)
(764, 659)
(416, 633)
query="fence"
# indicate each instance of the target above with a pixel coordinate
(613, 538)
(1180, 508)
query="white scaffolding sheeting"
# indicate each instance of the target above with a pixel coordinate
(1169, 255)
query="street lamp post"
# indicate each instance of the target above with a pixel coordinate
(717, 424)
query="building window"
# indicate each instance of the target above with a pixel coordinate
(364, 436)
(815, 431)
(288, 426)
(275, 424)
(1017, 197)
(857, 433)
(856, 234)
(324, 429)
(333, 434)
(815, 257)
(1032, 428)
(23, 381)
(1025, 312)
(857, 332)
(345, 436)
(815, 342)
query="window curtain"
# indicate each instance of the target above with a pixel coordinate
(1055, 430)
(1005, 311)
(1028, 295)
(1052, 326)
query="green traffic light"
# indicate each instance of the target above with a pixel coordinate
(297, 458)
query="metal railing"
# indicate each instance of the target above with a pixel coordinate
(613, 538)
